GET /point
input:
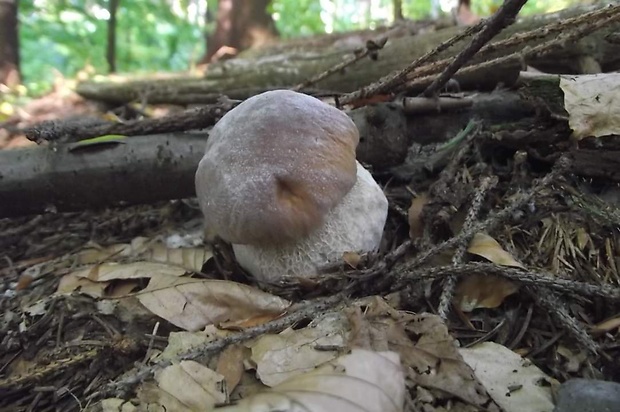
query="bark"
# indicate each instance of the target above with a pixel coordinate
(148, 168)
(9, 44)
(241, 24)
(240, 78)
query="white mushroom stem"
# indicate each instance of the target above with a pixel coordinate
(354, 225)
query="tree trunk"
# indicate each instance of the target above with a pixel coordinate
(111, 49)
(9, 44)
(241, 24)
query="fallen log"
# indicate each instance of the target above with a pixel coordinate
(242, 77)
(143, 169)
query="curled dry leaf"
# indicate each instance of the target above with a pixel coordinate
(192, 304)
(358, 382)
(485, 246)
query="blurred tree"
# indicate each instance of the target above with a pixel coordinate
(240, 25)
(111, 49)
(398, 10)
(9, 44)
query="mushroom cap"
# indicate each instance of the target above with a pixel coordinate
(354, 225)
(274, 166)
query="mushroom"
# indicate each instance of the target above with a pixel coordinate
(279, 181)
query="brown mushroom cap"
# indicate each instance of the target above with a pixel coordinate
(274, 167)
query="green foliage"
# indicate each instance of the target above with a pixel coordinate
(296, 18)
(66, 36)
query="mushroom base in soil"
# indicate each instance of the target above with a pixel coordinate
(354, 225)
(280, 182)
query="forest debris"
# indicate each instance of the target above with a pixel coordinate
(184, 386)
(192, 304)
(362, 380)
(513, 382)
(482, 291)
(290, 353)
(484, 245)
(590, 101)
(415, 216)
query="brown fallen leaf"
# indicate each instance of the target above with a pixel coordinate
(230, 365)
(416, 223)
(485, 246)
(482, 291)
(192, 304)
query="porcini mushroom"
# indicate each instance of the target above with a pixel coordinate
(279, 181)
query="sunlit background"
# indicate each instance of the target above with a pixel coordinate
(62, 37)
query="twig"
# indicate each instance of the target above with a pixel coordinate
(551, 303)
(533, 278)
(73, 130)
(472, 216)
(495, 24)
(372, 47)
(388, 82)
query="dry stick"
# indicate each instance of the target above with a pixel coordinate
(472, 216)
(495, 24)
(386, 83)
(541, 49)
(372, 46)
(308, 309)
(520, 38)
(187, 120)
(557, 309)
(396, 277)
(540, 279)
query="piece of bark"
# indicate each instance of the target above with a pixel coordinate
(240, 78)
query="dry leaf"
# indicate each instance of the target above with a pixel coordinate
(482, 291)
(591, 102)
(230, 365)
(352, 259)
(192, 304)
(416, 224)
(117, 405)
(186, 386)
(361, 381)
(291, 352)
(512, 381)
(72, 282)
(487, 247)
(606, 326)
(431, 361)
(189, 258)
